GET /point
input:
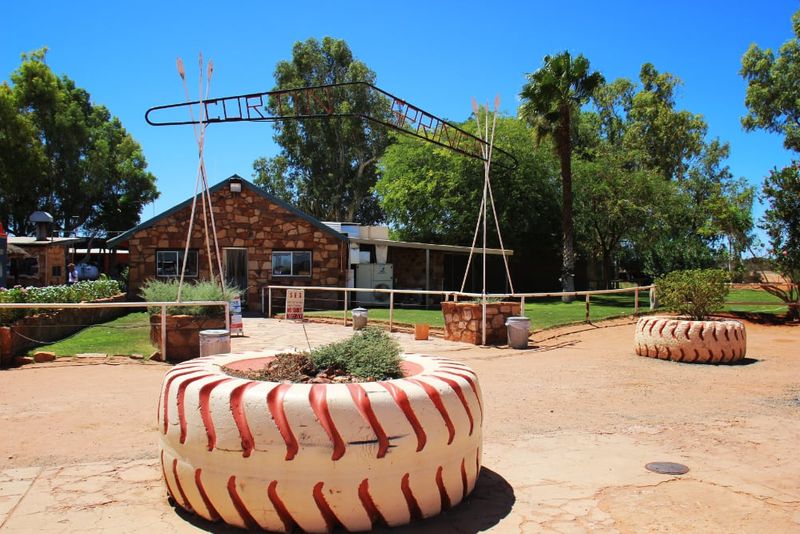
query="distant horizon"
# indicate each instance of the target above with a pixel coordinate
(434, 56)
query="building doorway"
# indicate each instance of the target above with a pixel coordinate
(236, 270)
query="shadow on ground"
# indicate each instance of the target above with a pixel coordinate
(490, 501)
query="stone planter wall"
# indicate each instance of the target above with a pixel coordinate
(183, 334)
(462, 321)
(52, 326)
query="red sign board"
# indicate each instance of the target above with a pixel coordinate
(294, 303)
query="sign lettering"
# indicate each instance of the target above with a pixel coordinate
(295, 301)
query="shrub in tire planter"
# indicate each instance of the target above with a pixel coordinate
(692, 336)
(276, 456)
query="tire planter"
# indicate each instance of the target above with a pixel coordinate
(681, 340)
(277, 456)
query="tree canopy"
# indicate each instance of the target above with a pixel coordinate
(773, 94)
(327, 166)
(63, 154)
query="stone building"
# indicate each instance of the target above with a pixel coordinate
(264, 241)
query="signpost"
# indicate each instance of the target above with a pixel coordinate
(236, 316)
(295, 301)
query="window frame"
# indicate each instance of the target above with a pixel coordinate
(291, 262)
(179, 263)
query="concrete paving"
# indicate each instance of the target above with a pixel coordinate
(569, 427)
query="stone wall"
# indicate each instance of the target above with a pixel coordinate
(462, 321)
(183, 334)
(245, 220)
(52, 326)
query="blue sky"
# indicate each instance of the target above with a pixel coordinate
(436, 55)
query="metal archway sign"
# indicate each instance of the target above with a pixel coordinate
(320, 102)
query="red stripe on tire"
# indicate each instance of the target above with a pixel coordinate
(375, 515)
(411, 501)
(317, 396)
(361, 401)
(283, 513)
(165, 395)
(203, 495)
(186, 504)
(181, 403)
(241, 508)
(433, 394)
(401, 399)
(471, 385)
(463, 478)
(166, 480)
(460, 394)
(442, 490)
(205, 411)
(702, 331)
(275, 405)
(331, 521)
(240, 418)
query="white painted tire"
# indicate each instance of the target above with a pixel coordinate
(680, 340)
(274, 456)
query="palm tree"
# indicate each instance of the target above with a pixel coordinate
(553, 94)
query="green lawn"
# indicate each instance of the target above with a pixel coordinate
(549, 312)
(129, 334)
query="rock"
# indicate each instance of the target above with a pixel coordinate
(44, 356)
(156, 356)
(23, 360)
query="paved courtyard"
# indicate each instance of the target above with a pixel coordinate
(569, 427)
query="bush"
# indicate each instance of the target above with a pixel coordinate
(695, 293)
(370, 354)
(167, 291)
(86, 291)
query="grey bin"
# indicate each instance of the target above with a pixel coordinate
(359, 318)
(214, 342)
(518, 329)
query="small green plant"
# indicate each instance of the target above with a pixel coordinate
(167, 291)
(694, 293)
(370, 354)
(86, 291)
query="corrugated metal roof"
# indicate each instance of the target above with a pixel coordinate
(428, 246)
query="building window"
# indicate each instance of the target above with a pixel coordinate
(170, 262)
(291, 263)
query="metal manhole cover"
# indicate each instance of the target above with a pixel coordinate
(667, 468)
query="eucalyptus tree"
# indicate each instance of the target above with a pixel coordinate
(551, 98)
(327, 166)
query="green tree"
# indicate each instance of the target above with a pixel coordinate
(773, 104)
(782, 223)
(551, 98)
(773, 94)
(698, 205)
(432, 194)
(327, 166)
(76, 159)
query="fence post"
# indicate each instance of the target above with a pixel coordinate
(391, 310)
(522, 305)
(636, 301)
(269, 303)
(163, 333)
(587, 307)
(345, 307)
(228, 318)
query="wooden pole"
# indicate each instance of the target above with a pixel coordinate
(636, 301)
(345, 308)
(163, 333)
(391, 310)
(587, 308)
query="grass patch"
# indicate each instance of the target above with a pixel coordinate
(551, 312)
(129, 334)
